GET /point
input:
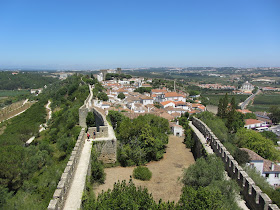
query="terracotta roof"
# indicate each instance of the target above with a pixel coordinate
(244, 111)
(266, 163)
(166, 102)
(146, 98)
(169, 108)
(158, 91)
(173, 94)
(252, 121)
(177, 103)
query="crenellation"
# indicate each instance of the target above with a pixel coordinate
(255, 198)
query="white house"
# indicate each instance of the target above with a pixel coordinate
(252, 123)
(173, 96)
(177, 130)
(145, 100)
(165, 104)
(247, 86)
(267, 168)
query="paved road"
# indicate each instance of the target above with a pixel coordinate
(246, 102)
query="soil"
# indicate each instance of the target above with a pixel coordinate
(165, 183)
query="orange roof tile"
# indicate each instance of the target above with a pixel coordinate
(166, 102)
(173, 94)
(252, 121)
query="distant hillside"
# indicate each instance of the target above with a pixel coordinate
(24, 80)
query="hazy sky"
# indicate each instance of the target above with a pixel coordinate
(139, 33)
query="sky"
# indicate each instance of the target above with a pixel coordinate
(79, 34)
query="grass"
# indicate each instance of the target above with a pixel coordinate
(9, 93)
(214, 99)
(267, 99)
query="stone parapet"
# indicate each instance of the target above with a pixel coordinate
(64, 184)
(253, 195)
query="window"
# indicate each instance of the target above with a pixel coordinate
(277, 175)
(266, 175)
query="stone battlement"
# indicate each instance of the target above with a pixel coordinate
(64, 184)
(253, 195)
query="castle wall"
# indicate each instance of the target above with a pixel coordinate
(253, 195)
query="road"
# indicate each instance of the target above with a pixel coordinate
(246, 102)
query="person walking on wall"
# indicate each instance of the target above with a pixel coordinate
(93, 134)
(88, 136)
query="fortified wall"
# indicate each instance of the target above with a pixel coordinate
(253, 195)
(66, 179)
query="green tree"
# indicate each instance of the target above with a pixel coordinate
(274, 114)
(121, 96)
(102, 96)
(90, 120)
(250, 116)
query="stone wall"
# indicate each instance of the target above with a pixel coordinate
(198, 149)
(64, 184)
(253, 195)
(107, 150)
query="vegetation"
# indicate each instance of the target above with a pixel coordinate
(142, 173)
(206, 186)
(141, 140)
(111, 76)
(97, 168)
(274, 114)
(121, 96)
(143, 90)
(90, 120)
(256, 142)
(102, 96)
(29, 175)
(264, 185)
(24, 80)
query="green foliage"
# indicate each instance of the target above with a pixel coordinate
(264, 185)
(274, 114)
(201, 198)
(123, 196)
(32, 173)
(24, 80)
(216, 124)
(256, 142)
(115, 118)
(206, 186)
(142, 139)
(97, 168)
(111, 76)
(241, 156)
(102, 96)
(250, 116)
(203, 172)
(121, 96)
(270, 135)
(142, 173)
(90, 120)
(143, 90)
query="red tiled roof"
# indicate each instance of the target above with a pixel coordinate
(173, 94)
(244, 111)
(252, 121)
(166, 102)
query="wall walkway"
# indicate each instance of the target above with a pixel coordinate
(253, 195)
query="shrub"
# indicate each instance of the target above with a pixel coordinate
(142, 173)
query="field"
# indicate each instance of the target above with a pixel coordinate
(214, 99)
(9, 93)
(264, 102)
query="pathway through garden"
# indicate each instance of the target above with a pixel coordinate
(164, 183)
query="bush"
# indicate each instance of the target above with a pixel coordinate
(142, 173)
(97, 169)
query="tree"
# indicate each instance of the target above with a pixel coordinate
(121, 96)
(102, 96)
(90, 120)
(250, 116)
(274, 114)
(241, 156)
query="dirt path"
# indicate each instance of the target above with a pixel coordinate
(164, 183)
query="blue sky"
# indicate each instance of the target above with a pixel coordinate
(139, 33)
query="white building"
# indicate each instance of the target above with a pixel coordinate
(177, 130)
(252, 123)
(267, 168)
(145, 100)
(173, 96)
(247, 86)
